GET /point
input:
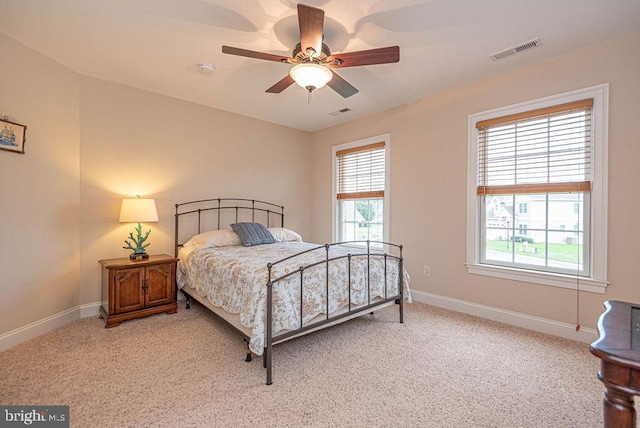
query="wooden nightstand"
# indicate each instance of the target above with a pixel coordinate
(137, 288)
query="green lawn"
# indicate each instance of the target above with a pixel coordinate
(571, 253)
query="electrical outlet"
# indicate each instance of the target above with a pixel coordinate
(427, 271)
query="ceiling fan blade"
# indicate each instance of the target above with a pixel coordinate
(369, 57)
(341, 86)
(311, 22)
(281, 85)
(254, 54)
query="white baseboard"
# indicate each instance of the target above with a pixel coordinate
(542, 325)
(90, 310)
(37, 328)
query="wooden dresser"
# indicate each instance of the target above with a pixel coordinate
(619, 349)
(137, 288)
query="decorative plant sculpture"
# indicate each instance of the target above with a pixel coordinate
(139, 248)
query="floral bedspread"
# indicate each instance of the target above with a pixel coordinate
(234, 278)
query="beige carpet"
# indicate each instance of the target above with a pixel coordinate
(439, 369)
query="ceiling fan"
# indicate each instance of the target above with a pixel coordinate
(313, 59)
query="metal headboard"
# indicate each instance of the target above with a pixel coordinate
(223, 212)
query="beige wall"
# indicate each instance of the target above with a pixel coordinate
(91, 143)
(137, 142)
(39, 191)
(428, 180)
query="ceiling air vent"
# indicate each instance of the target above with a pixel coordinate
(516, 49)
(339, 112)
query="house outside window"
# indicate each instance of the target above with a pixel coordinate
(547, 159)
(361, 182)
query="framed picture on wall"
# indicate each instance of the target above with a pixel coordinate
(12, 136)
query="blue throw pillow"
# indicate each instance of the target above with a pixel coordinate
(253, 234)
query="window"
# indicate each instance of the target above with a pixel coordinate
(543, 162)
(522, 208)
(361, 190)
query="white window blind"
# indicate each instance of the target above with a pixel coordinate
(541, 151)
(360, 172)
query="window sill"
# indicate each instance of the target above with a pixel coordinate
(552, 279)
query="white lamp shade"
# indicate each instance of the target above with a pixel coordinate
(138, 211)
(311, 75)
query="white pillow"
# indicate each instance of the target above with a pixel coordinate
(282, 234)
(214, 238)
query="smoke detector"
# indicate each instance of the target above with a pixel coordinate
(516, 49)
(206, 68)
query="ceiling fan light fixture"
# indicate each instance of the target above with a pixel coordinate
(311, 76)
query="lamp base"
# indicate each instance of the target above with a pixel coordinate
(136, 256)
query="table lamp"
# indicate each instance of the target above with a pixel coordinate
(138, 211)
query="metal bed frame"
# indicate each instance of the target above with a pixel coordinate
(254, 210)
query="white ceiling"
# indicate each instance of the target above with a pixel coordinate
(156, 45)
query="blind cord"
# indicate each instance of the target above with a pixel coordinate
(577, 304)
(578, 273)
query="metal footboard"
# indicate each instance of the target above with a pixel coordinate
(352, 310)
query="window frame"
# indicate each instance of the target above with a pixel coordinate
(335, 224)
(597, 280)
